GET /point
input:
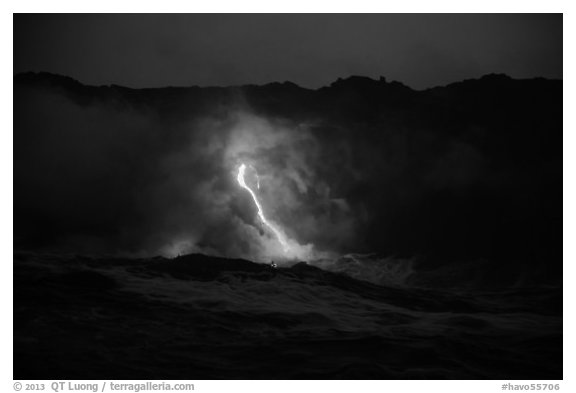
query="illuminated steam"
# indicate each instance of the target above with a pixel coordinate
(281, 238)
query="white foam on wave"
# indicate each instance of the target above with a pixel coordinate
(390, 271)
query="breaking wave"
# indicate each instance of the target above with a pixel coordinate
(388, 271)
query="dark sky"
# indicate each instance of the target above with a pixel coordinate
(311, 50)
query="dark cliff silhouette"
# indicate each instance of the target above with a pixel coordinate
(469, 170)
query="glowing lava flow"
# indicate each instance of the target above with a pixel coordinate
(243, 184)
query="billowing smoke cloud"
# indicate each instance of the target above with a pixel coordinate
(96, 178)
(340, 171)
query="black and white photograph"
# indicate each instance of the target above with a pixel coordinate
(288, 196)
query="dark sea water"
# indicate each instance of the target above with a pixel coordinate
(354, 317)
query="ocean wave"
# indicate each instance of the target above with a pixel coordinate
(388, 271)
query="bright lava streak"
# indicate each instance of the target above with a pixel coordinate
(276, 232)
